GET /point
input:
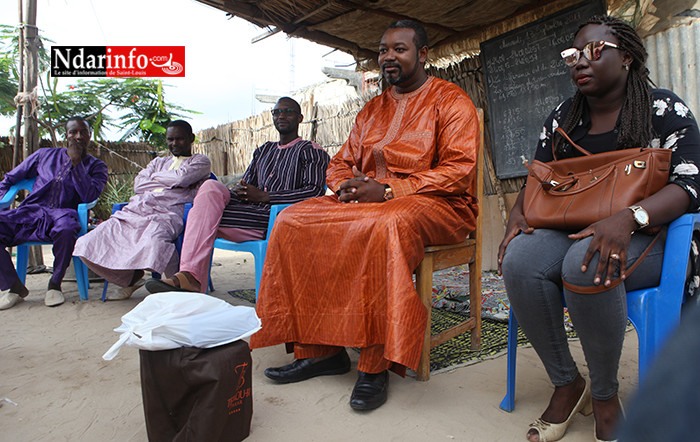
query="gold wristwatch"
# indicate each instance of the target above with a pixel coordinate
(388, 192)
(640, 216)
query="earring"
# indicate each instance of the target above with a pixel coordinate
(627, 67)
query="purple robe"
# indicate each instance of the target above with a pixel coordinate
(49, 213)
(142, 235)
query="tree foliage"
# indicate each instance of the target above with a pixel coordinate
(134, 108)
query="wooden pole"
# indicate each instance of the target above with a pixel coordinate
(17, 153)
(31, 78)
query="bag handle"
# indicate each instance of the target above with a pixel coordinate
(602, 288)
(566, 137)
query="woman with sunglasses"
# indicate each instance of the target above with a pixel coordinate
(614, 108)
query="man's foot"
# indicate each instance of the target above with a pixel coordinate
(53, 298)
(370, 390)
(566, 401)
(122, 293)
(303, 369)
(607, 414)
(138, 276)
(180, 282)
(9, 300)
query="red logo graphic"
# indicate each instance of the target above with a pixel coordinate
(236, 401)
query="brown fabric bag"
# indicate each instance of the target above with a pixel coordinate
(574, 193)
(195, 394)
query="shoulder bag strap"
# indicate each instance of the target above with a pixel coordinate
(602, 288)
(566, 137)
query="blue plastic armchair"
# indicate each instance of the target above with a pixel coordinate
(257, 248)
(654, 312)
(81, 273)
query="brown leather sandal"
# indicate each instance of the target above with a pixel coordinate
(168, 285)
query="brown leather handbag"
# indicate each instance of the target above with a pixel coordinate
(573, 193)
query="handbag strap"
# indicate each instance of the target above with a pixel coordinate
(566, 137)
(602, 288)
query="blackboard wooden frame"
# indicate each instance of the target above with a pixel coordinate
(525, 80)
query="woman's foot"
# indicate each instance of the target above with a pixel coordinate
(607, 414)
(565, 402)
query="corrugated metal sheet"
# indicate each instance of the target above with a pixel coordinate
(673, 62)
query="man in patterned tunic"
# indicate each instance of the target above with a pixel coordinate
(283, 172)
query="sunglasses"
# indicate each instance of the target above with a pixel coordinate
(591, 51)
(278, 112)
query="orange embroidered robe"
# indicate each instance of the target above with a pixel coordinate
(341, 274)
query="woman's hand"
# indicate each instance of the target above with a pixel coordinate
(611, 239)
(516, 224)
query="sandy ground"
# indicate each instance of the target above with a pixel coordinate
(51, 366)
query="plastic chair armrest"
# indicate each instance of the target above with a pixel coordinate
(116, 207)
(12, 192)
(275, 209)
(188, 206)
(83, 210)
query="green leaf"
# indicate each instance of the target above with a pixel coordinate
(157, 128)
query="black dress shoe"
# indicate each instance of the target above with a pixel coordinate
(370, 390)
(303, 369)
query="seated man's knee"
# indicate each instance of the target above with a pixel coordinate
(65, 227)
(210, 188)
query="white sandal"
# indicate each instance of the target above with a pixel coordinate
(549, 432)
(122, 293)
(9, 300)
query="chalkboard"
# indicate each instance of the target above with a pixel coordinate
(525, 80)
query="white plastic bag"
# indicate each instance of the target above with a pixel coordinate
(169, 320)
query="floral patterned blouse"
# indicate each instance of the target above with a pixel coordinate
(673, 127)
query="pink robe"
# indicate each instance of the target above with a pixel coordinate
(142, 234)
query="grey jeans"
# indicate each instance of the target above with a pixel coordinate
(533, 268)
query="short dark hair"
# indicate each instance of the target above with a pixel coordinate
(420, 38)
(295, 103)
(183, 124)
(78, 118)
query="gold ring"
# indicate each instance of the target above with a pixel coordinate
(614, 256)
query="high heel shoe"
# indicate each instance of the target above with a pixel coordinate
(550, 432)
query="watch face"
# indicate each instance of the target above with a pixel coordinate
(641, 216)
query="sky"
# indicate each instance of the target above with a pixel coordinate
(224, 70)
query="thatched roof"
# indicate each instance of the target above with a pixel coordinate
(357, 26)
(455, 27)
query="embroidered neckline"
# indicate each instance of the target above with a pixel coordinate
(400, 96)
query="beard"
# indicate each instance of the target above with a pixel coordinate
(284, 130)
(400, 77)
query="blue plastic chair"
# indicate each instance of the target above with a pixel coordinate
(654, 312)
(81, 272)
(257, 248)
